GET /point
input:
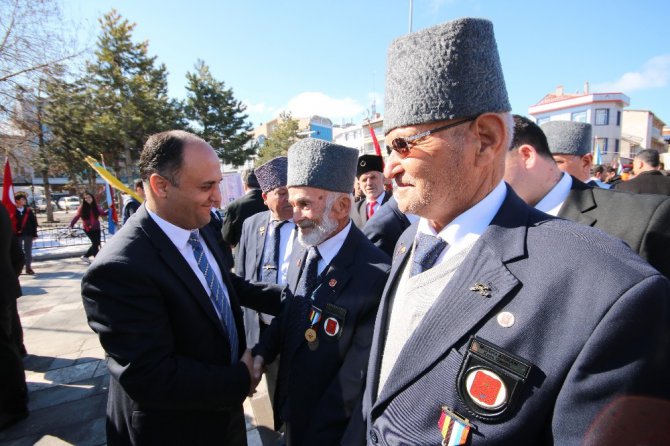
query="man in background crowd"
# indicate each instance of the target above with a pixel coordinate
(648, 176)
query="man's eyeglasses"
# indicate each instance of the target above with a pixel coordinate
(403, 145)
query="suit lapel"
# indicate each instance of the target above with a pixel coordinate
(458, 309)
(400, 256)
(261, 230)
(336, 275)
(579, 201)
(176, 262)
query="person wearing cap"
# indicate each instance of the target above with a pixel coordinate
(335, 279)
(648, 176)
(239, 210)
(371, 182)
(265, 248)
(640, 221)
(570, 144)
(497, 322)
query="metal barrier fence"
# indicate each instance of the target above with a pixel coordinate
(59, 236)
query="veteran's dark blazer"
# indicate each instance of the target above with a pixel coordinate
(589, 315)
(239, 210)
(359, 210)
(386, 226)
(319, 392)
(172, 381)
(650, 182)
(642, 221)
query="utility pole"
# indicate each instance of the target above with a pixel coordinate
(411, 2)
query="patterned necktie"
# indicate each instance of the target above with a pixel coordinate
(426, 251)
(218, 297)
(309, 277)
(269, 272)
(371, 209)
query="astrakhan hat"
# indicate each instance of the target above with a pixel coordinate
(568, 137)
(272, 174)
(448, 71)
(369, 163)
(318, 163)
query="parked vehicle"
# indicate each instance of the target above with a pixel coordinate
(41, 205)
(69, 203)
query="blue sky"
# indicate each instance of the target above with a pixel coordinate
(328, 58)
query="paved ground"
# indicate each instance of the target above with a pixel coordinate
(65, 369)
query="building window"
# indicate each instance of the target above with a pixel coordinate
(579, 116)
(616, 145)
(541, 121)
(618, 118)
(601, 143)
(602, 116)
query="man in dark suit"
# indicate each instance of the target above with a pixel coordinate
(26, 229)
(648, 179)
(239, 210)
(371, 182)
(168, 312)
(13, 391)
(639, 220)
(336, 278)
(386, 226)
(497, 320)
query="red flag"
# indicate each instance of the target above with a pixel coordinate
(8, 194)
(378, 149)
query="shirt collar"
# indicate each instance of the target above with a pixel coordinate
(377, 200)
(178, 236)
(331, 247)
(552, 202)
(471, 224)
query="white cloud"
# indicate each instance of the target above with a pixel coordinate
(655, 73)
(316, 103)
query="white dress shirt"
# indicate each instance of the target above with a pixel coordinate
(466, 229)
(286, 237)
(179, 238)
(378, 203)
(552, 202)
(331, 247)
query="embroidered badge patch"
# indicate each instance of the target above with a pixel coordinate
(331, 326)
(490, 378)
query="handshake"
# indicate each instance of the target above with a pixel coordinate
(256, 367)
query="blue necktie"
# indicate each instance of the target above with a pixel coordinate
(426, 251)
(217, 295)
(309, 277)
(270, 268)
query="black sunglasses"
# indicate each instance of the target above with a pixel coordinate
(404, 144)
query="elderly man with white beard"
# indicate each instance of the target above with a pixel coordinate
(335, 279)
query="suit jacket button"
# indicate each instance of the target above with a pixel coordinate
(373, 436)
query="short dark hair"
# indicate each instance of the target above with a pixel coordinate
(598, 168)
(140, 184)
(20, 195)
(610, 169)
(249, 178)
(527, 132)
(163, 153)
(649, 156)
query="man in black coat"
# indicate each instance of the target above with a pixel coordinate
(639, 220)
(648, 179)
(168, 312)
(238, 210)
(336, 278)
(370, 180)
(13, 391)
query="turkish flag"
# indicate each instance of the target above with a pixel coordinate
(8, 194)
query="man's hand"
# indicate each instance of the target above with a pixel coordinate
(259, 368)
(249, 362)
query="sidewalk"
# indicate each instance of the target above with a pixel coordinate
(65, 369)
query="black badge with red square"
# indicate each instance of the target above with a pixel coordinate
(333, 320)
(490, 379)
